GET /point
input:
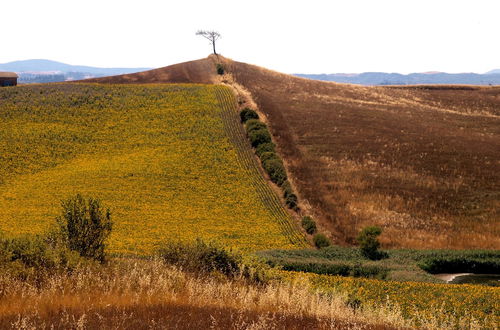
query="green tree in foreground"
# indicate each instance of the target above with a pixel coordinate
(369, 244)
(85, 226)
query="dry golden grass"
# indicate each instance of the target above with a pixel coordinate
(135, 294)
(147, 294)
(422, 162)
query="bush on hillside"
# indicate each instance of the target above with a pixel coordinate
(247, 114)
(276, 170)
(35, 256)
(321, 241)
(203, 258)
(309, 225)
(258, 137)
(220, 69)
(292, 202)
(200, 257)
(286, 187)
(268, 156)
(265, 147)
(255, 125)
(85, 226)
(369, 243)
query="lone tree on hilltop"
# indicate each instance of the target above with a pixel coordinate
(210, 35)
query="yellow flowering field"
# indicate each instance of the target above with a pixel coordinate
(170, 161)
(427, 305)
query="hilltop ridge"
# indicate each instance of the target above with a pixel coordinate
(198, 71)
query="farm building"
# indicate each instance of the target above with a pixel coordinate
(8, 79)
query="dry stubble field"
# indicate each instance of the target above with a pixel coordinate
(423, 162)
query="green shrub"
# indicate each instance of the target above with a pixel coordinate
(276, 170)
(85, 226)
(268, 155)
(247, 114)
(321, 241)
(369, 243)
(255, 125)
(460, 264)
(203, 258)
(292, 202)
(291, 199)
(286, 187)
(258, 137)
(265, 147)
(334, 268)
(309, 225)
(220, 69)
(34, 256)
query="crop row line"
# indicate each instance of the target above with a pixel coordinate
(246, 157)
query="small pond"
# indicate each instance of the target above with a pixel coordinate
(469, 278)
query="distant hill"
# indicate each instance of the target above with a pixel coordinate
(496, 71)
(382, 78)
(39, 70)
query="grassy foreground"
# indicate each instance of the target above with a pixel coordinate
(138, 294)
(164, 158)
(148, 294)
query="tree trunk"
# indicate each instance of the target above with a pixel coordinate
(213, 44)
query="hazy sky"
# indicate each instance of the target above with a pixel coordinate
(306, 36)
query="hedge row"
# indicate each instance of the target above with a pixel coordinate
(260, 138)
(340, 269)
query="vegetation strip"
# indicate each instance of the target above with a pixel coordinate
(261, 140)
(238, 137)
(401, 265)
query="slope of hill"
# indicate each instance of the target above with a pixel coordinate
(420, 161)
(382, 78)
(171, 161)
(200, 71)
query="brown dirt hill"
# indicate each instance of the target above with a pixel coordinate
(200, 71)
(423, 162)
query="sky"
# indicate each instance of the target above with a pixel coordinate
(312, 36)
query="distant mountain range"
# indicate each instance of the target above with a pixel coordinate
(381, 78)
(40, 71)
(37, 71)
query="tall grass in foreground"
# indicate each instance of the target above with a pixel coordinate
(135, 294)
(150, 294)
